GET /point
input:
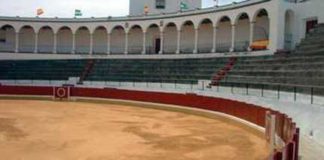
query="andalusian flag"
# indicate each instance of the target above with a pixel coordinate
(77, 13)
(183, 6)
(39, 11)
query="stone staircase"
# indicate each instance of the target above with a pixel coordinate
(90, 64)
(313, 43)
(221, 74)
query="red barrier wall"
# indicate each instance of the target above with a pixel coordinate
(285, 128)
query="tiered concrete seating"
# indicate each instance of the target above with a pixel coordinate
(166, 70)
(121, 70)
(304, 67)
(41, 69)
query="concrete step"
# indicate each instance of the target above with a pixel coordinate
(301, 58)
(310, 46)
(278, 67)
(279, 73)
(319, 51)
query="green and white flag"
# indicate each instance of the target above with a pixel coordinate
(77, 13)
(183, 6)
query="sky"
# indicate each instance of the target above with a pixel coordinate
(65, 8)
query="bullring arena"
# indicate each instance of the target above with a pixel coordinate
(90, 131)
(172, 79)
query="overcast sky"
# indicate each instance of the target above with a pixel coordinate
(65, 8)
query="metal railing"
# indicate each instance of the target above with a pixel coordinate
(120, 49)
(293, 93)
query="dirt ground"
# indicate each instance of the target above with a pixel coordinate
(46, 130)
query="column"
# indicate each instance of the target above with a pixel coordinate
(36, 43)
(144, 42)
(91, 44)
(196, 40)
(214, 39)
(251, 35)
(126, 43)
(108, 43)
(233, 39)
(17, 42)
(55, 43)
(178, 42)
(161, 43)
(73, 43)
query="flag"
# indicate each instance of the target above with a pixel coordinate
(77, 13)
(146, 9)
(39, 11)
(183, 6)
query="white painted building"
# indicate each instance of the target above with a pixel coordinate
(136, 7)
(230, 28)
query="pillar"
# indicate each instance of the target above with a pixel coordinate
(178, 42)
(108, 43)
(214, 39)
(144, 42)
(36, 43)
(17, 42)
(196, 40)
(126, 43)
(251, 35)
(161, 45)
(55, 43)
(233, 39)
(73, 43)
(91, 44)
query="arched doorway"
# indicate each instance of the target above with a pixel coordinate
(261, 28)
(82, 41)
(170, 38)
(64, 40)
(242, 31)
(205, 39)
(7, 38)
(118, 40)
(153, 39)
(135, 37)
(187, 37)
(45, 40)
(100, 41)
(224, 34)
(27, 39)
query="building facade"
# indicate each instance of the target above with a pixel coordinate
(231, 28)
(136, 7)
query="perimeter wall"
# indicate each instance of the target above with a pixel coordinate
(285, 127)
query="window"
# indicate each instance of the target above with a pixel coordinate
(160, 4)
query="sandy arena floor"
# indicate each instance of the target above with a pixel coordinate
(45, 130)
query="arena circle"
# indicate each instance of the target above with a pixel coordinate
(110, 130)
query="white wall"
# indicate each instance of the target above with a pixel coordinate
(275, 9)
(136, 7)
